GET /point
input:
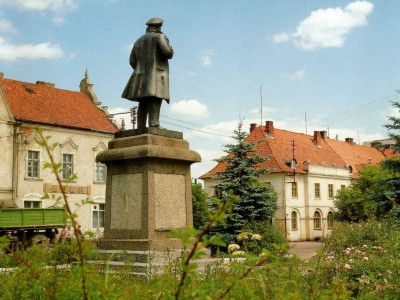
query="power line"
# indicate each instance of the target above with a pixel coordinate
(354, 109)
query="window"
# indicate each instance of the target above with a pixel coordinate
(68, 165)
(330, 191)
(330, 219)
(98, 215)
(293, 219)
(32, 204)
(32, 168)
(100, 172)
(343, 187)
(294, 189)
(317, 220)
(218, 193)
(317, 189)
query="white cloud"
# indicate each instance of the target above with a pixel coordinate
(58, 7)
(6, 26)
(206, 58)
(207, 161)
(189, 109)
(326, 28)
(10, 52)
(281, 37)
(117, 119)
(296, 76)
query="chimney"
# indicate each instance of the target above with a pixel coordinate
(269, 127)
(349, 141)
(1, 74)
(324, 135)
(317, 137)
(45, 83)
(252, 126)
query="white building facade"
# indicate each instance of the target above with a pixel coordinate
(305, 193)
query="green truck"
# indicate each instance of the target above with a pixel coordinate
(31, 226)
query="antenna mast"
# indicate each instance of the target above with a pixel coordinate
(305, 119)
(261, 105)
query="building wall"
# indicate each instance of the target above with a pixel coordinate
(6, 150)
(305, 204)
(84, 146)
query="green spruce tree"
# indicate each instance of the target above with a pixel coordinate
(392, 185)
(256, 201)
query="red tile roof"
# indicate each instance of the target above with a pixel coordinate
(44, 104)
(327, 152)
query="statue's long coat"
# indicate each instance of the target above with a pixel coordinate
(149, 59)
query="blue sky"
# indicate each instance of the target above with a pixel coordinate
(334, 64)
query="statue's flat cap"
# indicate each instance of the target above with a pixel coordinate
(155, 22)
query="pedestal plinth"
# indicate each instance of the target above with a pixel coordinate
(148, 190)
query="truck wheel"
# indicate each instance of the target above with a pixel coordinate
(39, 239)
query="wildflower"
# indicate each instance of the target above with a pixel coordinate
(243, 236)
(307, 272)
(364, 281)
(304, 273)
(238, 253)
(347, 267)
(365, 258)
(330, 257)
(233, 247)
(378, 287)
(365, 246)
(256, 237)
(350, 260)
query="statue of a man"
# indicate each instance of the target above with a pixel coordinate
(149, 83)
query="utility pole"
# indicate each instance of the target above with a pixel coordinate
(293, 162)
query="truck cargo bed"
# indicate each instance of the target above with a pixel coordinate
(13, 218)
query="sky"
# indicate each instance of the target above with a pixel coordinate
(305, 65)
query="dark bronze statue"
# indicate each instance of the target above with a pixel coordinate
(149, 83)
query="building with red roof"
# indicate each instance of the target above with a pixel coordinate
(306, 171)
(80, 127)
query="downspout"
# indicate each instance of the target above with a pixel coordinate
(15, 162)
(284, 205)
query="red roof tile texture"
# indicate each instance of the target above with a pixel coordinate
(313, 150)
(44, 104)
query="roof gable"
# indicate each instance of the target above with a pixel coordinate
(44, 104)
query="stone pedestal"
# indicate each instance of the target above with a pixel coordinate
(148, 190)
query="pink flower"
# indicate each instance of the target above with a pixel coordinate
(347, 267)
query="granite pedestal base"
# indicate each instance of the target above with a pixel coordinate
(148, 190)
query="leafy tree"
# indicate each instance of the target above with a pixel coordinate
(200, 206)
(364, 197)
(256, 201)
(377, 192)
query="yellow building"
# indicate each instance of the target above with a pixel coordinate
(73, 120)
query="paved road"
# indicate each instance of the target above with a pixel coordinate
(304, 250)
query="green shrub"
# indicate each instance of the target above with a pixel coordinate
(271, 237)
